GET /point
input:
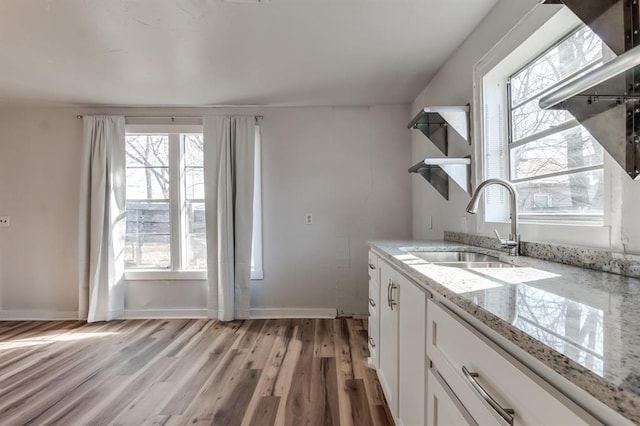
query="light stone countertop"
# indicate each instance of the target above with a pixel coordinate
(582, 323)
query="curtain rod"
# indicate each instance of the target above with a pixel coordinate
(258, 117)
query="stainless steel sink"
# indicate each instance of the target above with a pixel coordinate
(461, 259)
(453, 256)
(475, 264)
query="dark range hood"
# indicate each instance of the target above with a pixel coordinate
(606, 101)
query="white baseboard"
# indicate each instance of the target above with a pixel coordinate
(267, 313)
(33, 315)
(274, 313)
(164, 313)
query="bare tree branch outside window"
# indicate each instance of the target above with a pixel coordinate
(551, 142)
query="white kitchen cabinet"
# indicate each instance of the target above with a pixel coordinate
(412, 305)
(443, 407)
(388, 347)
(478, 371)
(374, 310)
(401, 369)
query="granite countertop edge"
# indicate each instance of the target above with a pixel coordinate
(613, 396)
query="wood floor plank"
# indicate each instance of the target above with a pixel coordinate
(266, 411)
(359, 404)
(178, 372)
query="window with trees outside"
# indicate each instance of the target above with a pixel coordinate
(165, 202)
(554, 162)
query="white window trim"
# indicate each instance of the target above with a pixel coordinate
(548, 23)
(159, 275)
(176, 208)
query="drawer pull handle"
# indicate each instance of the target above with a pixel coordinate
(372, 303)
(392, 301)
(372, 266)
(505, 413)
(372, 342)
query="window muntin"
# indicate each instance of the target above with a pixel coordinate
(556, 164)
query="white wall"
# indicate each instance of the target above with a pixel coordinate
(513, 21)
(453, 85)
(39, 187)
(347, 166)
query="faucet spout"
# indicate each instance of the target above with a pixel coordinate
(513, 243)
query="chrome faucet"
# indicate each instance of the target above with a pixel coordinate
(513, 242)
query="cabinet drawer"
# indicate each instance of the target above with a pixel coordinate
(455, 347)
(443, 407)
(374, 299)
(374, 272)
(373, 340)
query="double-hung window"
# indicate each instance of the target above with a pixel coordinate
(166, 227)
(165, 202)
(556, 165)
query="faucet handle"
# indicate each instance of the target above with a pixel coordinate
(507, 242)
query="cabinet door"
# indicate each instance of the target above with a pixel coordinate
(388, 348)
(412, 302)
(443, 408)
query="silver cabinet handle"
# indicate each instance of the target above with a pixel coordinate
(372, 303)
(389, 294)
(505, 413)
(372, 266)
(372, 342)
(392, 301)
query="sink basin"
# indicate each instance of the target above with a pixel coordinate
(461, 259)
(454, 256)
(475, 264)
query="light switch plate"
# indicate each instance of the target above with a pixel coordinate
(4, 222)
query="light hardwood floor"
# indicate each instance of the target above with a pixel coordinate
(168, 372)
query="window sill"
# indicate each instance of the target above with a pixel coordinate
(153, 275)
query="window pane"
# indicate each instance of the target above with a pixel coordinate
(147, 251)
(148, 218)
(563, 60)
(193, 150)
(147, 183)
(578, 193)
(196, 251)
(529, 119)
(147, 150)
(570, 149)
(194, 183)
(195, 218)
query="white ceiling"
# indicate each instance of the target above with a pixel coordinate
(209, 52)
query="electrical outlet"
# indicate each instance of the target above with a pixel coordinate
(4, 222)
(308, 219)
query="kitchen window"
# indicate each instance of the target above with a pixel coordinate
(556, 165)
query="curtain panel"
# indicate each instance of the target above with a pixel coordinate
(102, 219)
(229, 147)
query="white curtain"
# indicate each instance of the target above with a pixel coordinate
(229, 145)
(102, 219)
